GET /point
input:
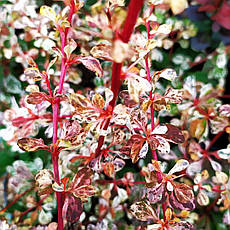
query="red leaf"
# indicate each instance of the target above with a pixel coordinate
(133, 147)
(223, 16)
(174, 134)
(32, 144)
(182, 206)
(36, 98)
(183, 193)
(143, 211)
(72, 209)
(208, 8)
(83, 177)
(83, 192)
(157, 193)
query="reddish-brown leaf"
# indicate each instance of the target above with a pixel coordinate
(83, 177)
(72, 209)
(90, 63)
(109, 169)
(83, 192)
(197, 128)
(36, 98)
(32, 144)
(183, 193)
(143, 211)
(223, 15)
(174, 134)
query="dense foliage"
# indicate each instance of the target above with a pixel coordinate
(114, 114)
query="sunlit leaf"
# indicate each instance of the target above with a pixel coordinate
(33, 73)
(215, 165)
(144, 150)
(44, 217)
(220, 178)
(98, 101)
(173, 96)
(225, 110)
(169, 74)
(102, 51)
(179, 166)
(109, 169)
(121, 51)
(69, 48)
(57, 188)
(178, 6)
(48, 12)
(224, 153)
(163, 146)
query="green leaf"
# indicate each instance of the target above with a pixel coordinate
(13, 85)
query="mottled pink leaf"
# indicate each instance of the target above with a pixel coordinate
(72, 209)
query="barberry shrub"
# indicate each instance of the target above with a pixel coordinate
(114, 115)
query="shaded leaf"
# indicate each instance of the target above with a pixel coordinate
(174, 134)
(202, 198)
(156, 194)
(179, 205)
(223, 15)
(133, 147)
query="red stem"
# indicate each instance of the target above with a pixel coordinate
(14, 201)
(133, 12)
(55, 116)
(151, 97)
(39, 203)
(215, 139)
